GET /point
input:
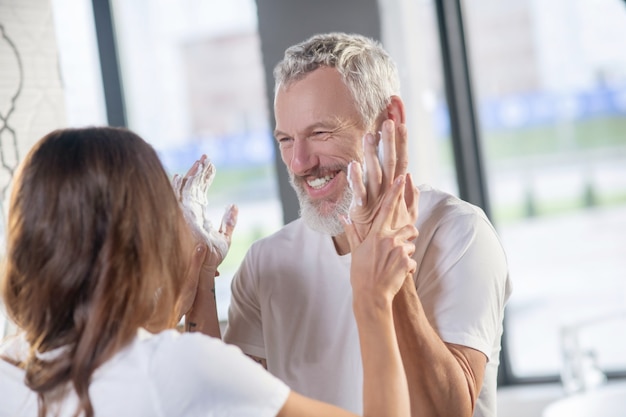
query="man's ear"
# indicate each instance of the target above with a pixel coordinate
(395, 110)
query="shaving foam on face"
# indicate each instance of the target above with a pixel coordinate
(364, 164)
(356, 201)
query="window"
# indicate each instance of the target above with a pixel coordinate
(193, 83)
(550, 91)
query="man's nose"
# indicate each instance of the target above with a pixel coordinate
(303, 159)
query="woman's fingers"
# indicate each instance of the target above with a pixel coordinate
(199, 179)
(407, 233)
(229, 221)
(177, 182)
(354, 240)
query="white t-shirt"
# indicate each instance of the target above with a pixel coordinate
(292, 300)
(167, 374)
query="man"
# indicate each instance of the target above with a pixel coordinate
(291, 301)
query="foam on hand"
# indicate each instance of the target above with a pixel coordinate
(194, 202)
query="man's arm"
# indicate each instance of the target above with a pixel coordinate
(444, 379)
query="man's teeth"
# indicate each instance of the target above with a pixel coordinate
(320, 182)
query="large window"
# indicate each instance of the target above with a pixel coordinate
(550, 88)
(193, 84)
(549, 82)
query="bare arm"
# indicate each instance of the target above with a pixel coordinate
(444, 379)
(202, 316)
(380, 263)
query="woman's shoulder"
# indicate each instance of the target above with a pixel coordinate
(171, 348)
(193, 365)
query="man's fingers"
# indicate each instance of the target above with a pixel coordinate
(388, 159)
(392, 200)
(402, 150)
(411, 197)
(372, 169)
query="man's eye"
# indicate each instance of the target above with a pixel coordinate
(284, 141)
(322, 134)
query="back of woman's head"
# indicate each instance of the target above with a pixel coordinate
(93, 237)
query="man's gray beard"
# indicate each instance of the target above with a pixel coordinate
(330, 223)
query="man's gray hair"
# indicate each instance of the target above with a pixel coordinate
(366, 68)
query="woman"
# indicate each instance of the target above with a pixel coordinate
(98, 250)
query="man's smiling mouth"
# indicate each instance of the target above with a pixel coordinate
(320, 182)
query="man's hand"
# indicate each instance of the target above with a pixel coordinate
(370, 183)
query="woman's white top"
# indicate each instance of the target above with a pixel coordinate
(166, 374)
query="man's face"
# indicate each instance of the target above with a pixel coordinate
(319, 131)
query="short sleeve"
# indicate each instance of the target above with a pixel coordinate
(465, 284)
(196, 375)
(245, 328)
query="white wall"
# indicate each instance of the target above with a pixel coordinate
(31, 95)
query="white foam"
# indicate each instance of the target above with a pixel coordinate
(195, 204)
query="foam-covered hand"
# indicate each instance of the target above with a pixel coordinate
(211, 245)
(192, 193)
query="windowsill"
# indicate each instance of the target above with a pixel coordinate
(527, 400)
(531, 400)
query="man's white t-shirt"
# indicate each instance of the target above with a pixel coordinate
(292, 300)
(167, 374)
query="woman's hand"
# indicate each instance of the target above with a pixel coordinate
(210, 245)
(192, 193)
(382, 259)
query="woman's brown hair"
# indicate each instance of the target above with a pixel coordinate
(94, 244)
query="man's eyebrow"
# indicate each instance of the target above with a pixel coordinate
(278, 133)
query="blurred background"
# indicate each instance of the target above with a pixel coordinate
(516, 106)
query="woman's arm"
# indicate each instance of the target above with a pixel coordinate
(380, 264)
(197, 301)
